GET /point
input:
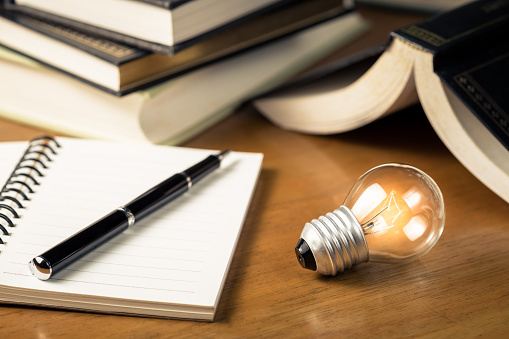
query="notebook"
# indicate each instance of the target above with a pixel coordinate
(173, 263)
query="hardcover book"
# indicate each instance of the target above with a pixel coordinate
(161, 26)
(432, 6)
(174, 110)
(455, 64)
(121, 69)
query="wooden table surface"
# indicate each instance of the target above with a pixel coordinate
(459, 289)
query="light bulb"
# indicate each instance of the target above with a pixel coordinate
(393, 213)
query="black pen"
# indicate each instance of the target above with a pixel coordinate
(68, 251)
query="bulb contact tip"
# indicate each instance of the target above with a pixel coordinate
(305, 256)
(332, 243)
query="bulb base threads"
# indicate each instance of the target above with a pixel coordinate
(336, 241)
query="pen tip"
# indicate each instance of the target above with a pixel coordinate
(223, 154)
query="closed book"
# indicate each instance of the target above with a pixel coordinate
(174, 110)
(432, 6)
(122, 69)
(455, 64)
(164, 26)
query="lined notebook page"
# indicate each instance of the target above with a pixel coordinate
(179, 254)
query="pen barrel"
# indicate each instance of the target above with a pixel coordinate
(74, 247)
(201, 169)
(157, 196)
(171, 188)
(79, 244)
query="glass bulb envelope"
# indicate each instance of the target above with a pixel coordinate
(393, 213)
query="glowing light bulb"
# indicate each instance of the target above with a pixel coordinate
(393, 213)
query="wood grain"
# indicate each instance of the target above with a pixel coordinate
(458, 289)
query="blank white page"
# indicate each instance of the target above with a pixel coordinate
(178, 255)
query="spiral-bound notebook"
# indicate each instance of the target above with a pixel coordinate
(173, 263)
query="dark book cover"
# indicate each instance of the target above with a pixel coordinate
(161, 3)
(482, 82)
(112, 52)
(152, 68)
(471, 55)
(139, 43)
(169, 4)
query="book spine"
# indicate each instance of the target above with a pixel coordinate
(136, 42)
(91, 29)
(168, 4)
(471, 56)
(20, 185)
(104, 49)
(480, 80)
(459, 28)
(160, 3)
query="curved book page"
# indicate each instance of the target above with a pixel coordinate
(465, 136)
(348, 101)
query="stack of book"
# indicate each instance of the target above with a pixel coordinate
(156, 70)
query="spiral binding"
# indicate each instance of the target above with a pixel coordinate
(20, 185)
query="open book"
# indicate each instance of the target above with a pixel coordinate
(455, 64)
(172, 263)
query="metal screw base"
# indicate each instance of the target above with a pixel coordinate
(336, 241)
